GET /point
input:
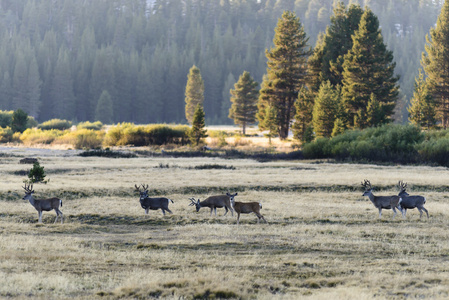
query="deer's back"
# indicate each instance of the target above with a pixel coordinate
(47, 204)
(246, 207)
(216, 201)
(160, 202)
(386, 201)
(412, 201)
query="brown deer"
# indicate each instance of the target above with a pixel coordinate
(381, 202)
(410, 202)
(148, 203)
(43, 204)
(214, 202)
(247, 208)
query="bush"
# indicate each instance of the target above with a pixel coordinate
(55, 124)
(6, 135)
(435, 151)
(387, 143)
(317, 149)
(82, 139)
(34, 136)
(129, 134)
(88, 125)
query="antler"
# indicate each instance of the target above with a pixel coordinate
(29, 188)
(366, 184)
(193, 201)
(402, 185)
(145, 188)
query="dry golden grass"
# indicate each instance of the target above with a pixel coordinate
(323, 241)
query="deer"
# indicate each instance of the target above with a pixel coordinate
(43, 204)
(381, 202)
(214, 202)
(247, 208)
(410, 202)
(148, 203)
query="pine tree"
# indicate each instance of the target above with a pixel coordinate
(435, 62)
(325, 110)
(326, 63)
(194, 94)
(270, 122)
(374, 114)
(302, 126)
(244, 98)
(19, 121)
(198, 131)
(104, 111)
(368, 68)
(286, 70)
(422, 106)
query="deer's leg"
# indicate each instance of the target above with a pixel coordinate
(146, 211)
(169, 210)
(163, 211)
(238, 218)
(260, 217)
(232, 211)
(226, 208)
(62, 216)
(427, 213)
(395, 212)
(40, 217)
(215, 211)
(380, 213)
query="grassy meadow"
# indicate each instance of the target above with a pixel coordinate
(323, 241)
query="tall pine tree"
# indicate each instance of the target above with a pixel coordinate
(286, 71)
(368, 68)
(325, 110)
(435, 62)
(194, 94)
(422, 106)
(244, 101)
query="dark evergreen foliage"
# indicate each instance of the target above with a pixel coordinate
(244, 101)
(58, 56)
(19, 121)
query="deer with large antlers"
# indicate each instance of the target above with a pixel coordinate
(43, 204)
(381, 202)
(410, 202)
(148, 203)
(214, 202)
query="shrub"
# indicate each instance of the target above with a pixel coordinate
(317, 149)
(6, 135)
(129, 134)
(88, 125)
(37, 173)
(82, 139)
(34, 136)
(435, 151)
(394, 143)
(55, 124)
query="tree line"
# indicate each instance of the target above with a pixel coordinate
(75, 59)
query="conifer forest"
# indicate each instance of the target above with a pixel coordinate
(57, 57)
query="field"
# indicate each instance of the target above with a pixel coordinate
(323, 240)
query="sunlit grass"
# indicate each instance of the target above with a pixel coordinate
(324, 240)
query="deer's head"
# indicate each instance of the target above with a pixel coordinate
(196, 203)
(402, 188)
(367, 186)
(28, 191)
(143, 190)
(231, 197)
